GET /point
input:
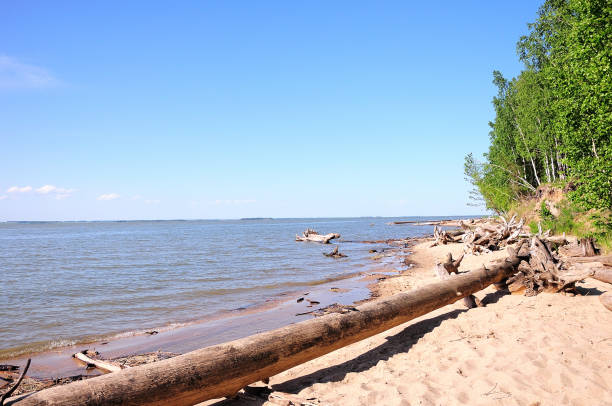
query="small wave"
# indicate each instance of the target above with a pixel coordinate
(36, 347)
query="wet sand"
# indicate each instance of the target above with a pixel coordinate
(548, 349)
(225, 326)
(544, 350)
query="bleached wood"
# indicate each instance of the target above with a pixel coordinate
(97, 363)
(313, 236)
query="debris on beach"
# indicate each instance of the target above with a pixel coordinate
(14, 387)
(312, 235)
(334, 254)
(548, 264)
(85, 356)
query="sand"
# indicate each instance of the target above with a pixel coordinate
(551, 349)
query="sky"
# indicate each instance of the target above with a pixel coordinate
(229, 109)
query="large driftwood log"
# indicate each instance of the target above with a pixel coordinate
(311, 235)
(602, 274)
(222, 370)
(595, 270)
(606, 300)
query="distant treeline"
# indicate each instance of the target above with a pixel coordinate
(553, 122)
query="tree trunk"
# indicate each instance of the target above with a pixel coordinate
(588, 249)
(546, 168)
(604, 275)
(222, 370)
(535, 171)
(606, 300)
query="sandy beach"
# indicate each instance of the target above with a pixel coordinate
(516, 350)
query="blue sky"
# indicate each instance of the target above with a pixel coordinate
(228, 109)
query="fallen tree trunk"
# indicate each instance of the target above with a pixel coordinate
(594, 267)
(606, 300)
(445, 271)
(604, 275)
(222, 370)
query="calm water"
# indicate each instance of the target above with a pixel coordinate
(65, 282)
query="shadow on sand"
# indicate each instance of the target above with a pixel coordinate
(395, 344)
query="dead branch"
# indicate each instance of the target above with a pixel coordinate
(14, 387)
(97, 363)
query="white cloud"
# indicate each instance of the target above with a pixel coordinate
(152, 201)
(43, 190)
(3, 197)
(18, 189)
(234, 202)
(58, 193)
(16, 74)
(109, 196)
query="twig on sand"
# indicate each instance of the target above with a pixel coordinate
(499, 393)
(10, 391)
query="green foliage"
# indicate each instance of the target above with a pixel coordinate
(544, 212)
(553, 122)
(564, 222)
(602, 230)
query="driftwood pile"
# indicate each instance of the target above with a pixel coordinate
(544, 266)
(489, 237)
(542, 270)
(312, 235)
(443, 237)
(483, 236)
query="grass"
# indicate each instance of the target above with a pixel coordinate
(569, 219)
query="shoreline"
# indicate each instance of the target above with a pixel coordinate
(561, 346)
(177, 338)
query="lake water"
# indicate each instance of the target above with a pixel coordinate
(68, 282)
